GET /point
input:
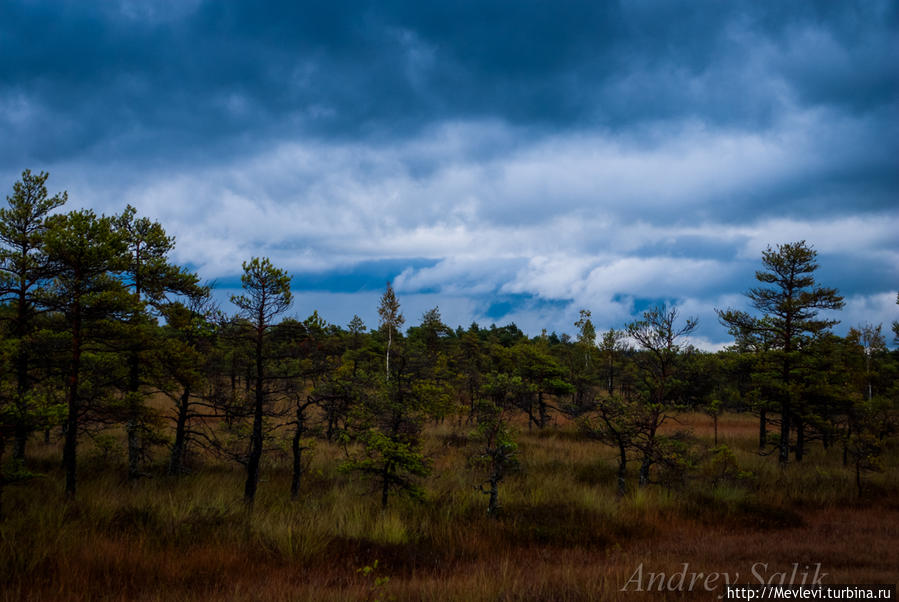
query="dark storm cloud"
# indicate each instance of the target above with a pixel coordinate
(522, 159)
(90, 75)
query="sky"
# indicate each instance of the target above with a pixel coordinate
(504, 161)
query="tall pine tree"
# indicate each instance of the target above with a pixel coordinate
(788, 300)
(23, 267)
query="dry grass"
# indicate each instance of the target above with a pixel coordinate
(564, 534)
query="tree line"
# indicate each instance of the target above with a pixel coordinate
(98, 325)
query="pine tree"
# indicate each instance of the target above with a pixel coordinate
(85, 255)
(267, 294)
(789, 301)
(184, 360)
(23, 267)
(659, 337)
(152, 278)
(498, 453)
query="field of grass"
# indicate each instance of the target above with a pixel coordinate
(563, 533)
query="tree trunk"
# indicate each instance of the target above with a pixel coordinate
(846, 445)
(176, 461)
(611, 381)
(784, 456)
(647, 451)
(297, 454)
(329, 431)
(69, 460)
(233, 378)
(493, 501)
(385, 484)
(644, 469)
(541, 409)
(256, 437)
(763, 428)
(858, 476)
(133, 430)
(800, 439)
(22, 423)
(715, 418)
(389, 341)
(786, 406)
(133, 425)
(2, 478)
(20, 441)
(622, 469)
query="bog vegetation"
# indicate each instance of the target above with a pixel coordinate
(153, 446)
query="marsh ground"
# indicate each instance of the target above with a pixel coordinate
(564, 533)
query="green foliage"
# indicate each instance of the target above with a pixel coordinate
(721, 467)
(23, 267)
(86, 255)
(266, 292)
(586, 331)
(266, 295)
(22, 227)
(149, 271)
(789, 302)
(378, 582)
(661, 367)
(869, 424)
(497, 456)
(675, 459)
(392, 460)
(389, 311)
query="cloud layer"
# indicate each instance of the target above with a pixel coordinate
(507, 162)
